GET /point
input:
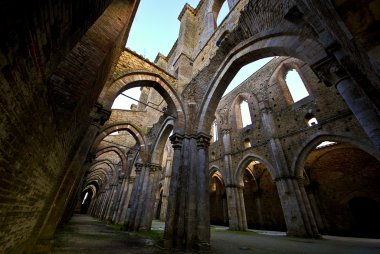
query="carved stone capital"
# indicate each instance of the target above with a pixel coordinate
(99, 115)
(176, 140)
(203, 140)
(329, 71)
(226, 131)
(154, 167)
(139, 167)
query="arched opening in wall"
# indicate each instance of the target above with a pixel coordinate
(85, 199)
(244, 114)
(159, 204)
(344, 189)
(295, 85)
(261, 201)
(222, 12)
(128, 100)
(310, 119)
(214, 132)
(245, 72)
(247, 143)
(218, 201)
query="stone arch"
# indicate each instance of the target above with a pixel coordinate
(235, 109)
(158, 148)
(116, 150)
(148, 79)
(248, 51)
(92, 187)
(111, 171)
(279, 76)
(134, 131)
(244, 162)
(301, 154)
(214, 169)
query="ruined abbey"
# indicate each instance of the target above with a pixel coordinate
(184, 153)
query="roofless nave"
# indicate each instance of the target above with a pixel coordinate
(184, 153)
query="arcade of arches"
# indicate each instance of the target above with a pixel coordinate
(185, 153)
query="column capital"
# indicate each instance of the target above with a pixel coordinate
(176, 140)
(203, 140)
(139, 167)
(154, 167)
(329, 71)
(226, 131)
(99, 115)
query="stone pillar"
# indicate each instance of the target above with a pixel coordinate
(137, 185)
(99, 203)
(106, 201)
(236, 208)
(170, 235)
(317, 215)
(259, 208)
(165, 191)
(203, 192)
(121, 199)
(331, 72)
(113, 200)
(295, 208)
(148, 212)
(126, 203)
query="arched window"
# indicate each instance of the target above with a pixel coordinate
(224, 10)
(247, 143)
(310, 119)
(245, 115)
(295, 85)
(215, 131)
(123, 102)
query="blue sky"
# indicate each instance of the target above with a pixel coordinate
(156, 28)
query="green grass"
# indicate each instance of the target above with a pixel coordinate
(155, 235)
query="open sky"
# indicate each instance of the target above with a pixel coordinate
(156, 28)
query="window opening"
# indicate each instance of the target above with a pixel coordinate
(223, 13)
(245, 115)
(295, 85)
(84, 199)
(215, 132)
(311, 119)
(247, 143)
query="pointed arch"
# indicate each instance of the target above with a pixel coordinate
(134, 131)
(244, 162)
(250, 50)
(147, 79)
(307, 146)
(158, 147)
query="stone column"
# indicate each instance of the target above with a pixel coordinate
(331, 72)
(236, 208)
(121, 198)
(113, 200)
(203, 191)
(131, 215)
(170, 234)
(147, 215)
(165, 191)
(259, 208)
(126, 203)
(296, 212)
